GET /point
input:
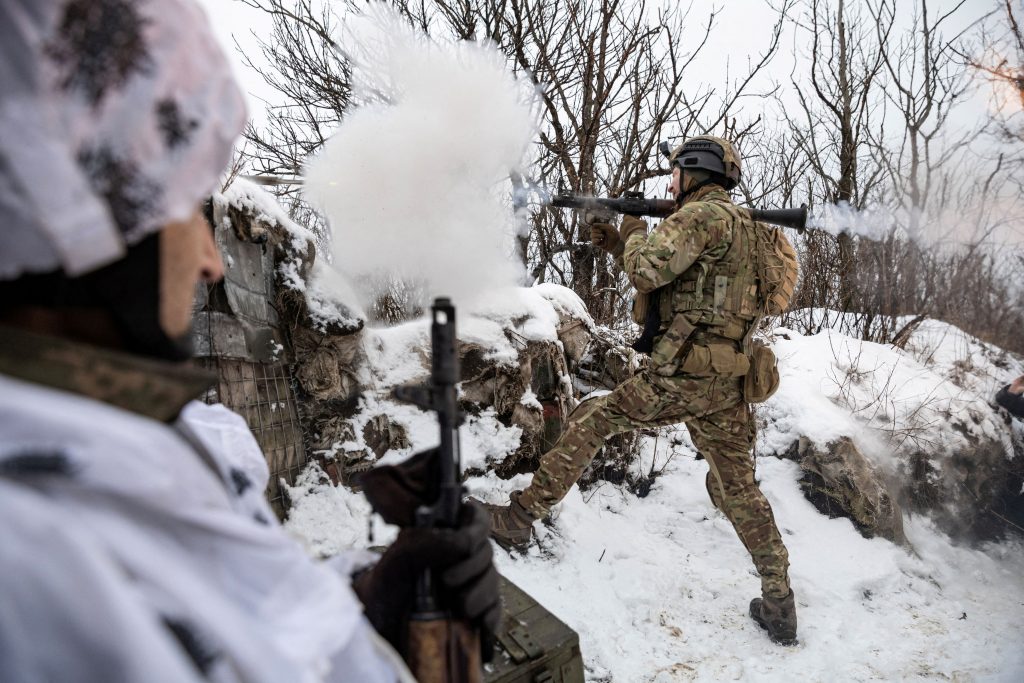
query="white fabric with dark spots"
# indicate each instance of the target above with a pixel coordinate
(116, 117)
(125, 556)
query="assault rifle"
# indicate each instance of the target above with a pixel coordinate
(634, 204)
(441, 650)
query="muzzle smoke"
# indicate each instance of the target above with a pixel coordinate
(415, 181)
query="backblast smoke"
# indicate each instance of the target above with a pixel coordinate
(996, 224)
(415, 181)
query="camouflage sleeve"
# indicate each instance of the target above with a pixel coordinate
(654, 260)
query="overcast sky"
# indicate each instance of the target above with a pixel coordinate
(232, 21)
(743, 31)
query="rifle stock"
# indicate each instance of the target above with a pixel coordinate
(440, 649)
(444, 651)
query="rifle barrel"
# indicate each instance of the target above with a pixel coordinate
(444, 377)
(441, 650)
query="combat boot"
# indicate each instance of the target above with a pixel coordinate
(511, 525)
(777, 616)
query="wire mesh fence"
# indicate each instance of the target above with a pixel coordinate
(237, 335)
(262, 394)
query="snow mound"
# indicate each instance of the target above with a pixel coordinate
(566, 302)
(499, 330)
(253, 200)
(500, 323)
(329, 300)
(923, 416)
(934, 396)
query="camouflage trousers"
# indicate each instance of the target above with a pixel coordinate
(722, 428)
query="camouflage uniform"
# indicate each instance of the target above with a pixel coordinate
(701, 257)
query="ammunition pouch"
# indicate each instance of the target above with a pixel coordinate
(641, 303)
(762, 380)
(721, 360)
(674, 354)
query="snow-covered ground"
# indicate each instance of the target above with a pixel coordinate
(936, 395)
(658, 587)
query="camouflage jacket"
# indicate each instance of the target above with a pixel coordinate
(694, 230)
(703, 258)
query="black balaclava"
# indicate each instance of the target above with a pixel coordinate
(128, 290)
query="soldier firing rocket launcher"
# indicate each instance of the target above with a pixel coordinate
(634, 204)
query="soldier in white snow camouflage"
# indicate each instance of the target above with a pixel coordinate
(137, 544)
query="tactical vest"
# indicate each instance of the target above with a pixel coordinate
(710, 311)
(721, 295)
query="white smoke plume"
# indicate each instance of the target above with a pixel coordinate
(872, 223)
(415, 181)
(993, 224)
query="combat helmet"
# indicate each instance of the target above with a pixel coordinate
(708, 153)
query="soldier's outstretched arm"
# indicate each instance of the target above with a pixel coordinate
(656, 259)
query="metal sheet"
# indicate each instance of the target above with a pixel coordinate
(220, 335)
(248, 275)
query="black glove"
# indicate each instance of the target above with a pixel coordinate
(606, 236)
(1014, 403)
(462, 562)
(395, 491)
(603, 234)
(460, 558)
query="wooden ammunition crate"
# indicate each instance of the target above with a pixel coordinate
(535, 645)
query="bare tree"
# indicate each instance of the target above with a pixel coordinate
(926, 83)
(1002, 62)
(312, 79)
(871, 126)
(874, 128)
(838, 105)
(613, 76)
(614, 84)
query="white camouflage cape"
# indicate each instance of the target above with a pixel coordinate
(123, 558)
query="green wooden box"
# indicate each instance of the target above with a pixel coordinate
(535, 646)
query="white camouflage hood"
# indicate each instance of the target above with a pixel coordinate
(116, 117)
